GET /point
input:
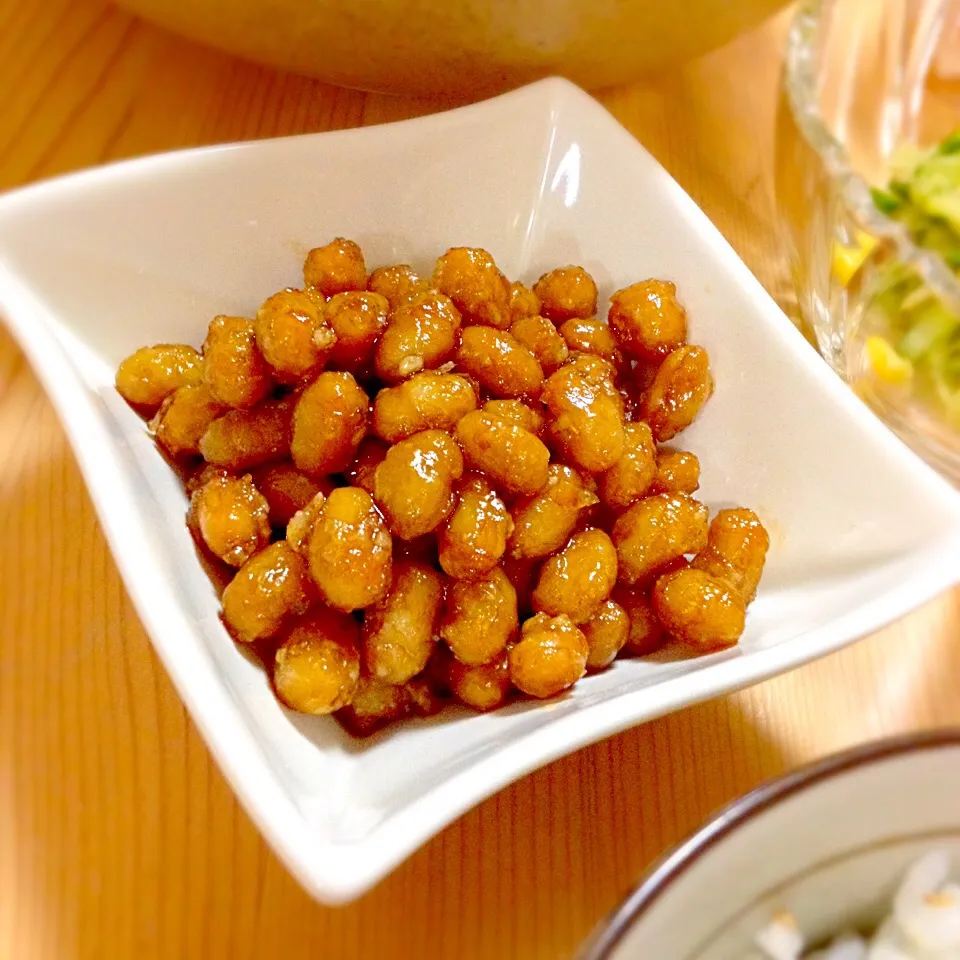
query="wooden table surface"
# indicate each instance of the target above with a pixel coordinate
(118, 835)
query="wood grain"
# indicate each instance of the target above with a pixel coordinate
(118, 836)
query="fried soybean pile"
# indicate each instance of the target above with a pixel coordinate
(449, 487)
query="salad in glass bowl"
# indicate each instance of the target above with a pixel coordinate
(913, 337)
(868, 190)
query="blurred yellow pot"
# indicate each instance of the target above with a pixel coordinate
(460, 48)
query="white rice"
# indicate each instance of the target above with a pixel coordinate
(923, 924)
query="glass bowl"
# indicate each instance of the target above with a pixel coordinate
(861, 81)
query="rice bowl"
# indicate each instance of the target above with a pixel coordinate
(813, 861)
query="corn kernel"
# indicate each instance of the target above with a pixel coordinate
(886, 363)
(848, 260)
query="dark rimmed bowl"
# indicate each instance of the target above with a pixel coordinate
(829, 843)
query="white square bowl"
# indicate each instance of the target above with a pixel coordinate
(94, 265)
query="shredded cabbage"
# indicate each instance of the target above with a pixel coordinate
(924, 195)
